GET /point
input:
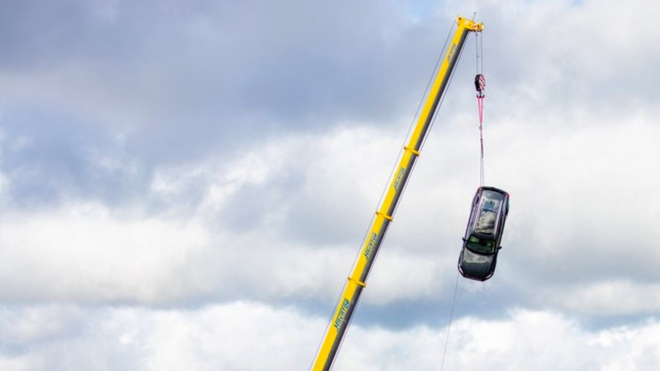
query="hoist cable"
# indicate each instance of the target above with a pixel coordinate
(476, 47)
(480, 85)
(480, 102)
(479, 50)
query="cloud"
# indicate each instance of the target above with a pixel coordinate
(166, 168)
(207, 338)
(292, 212)
(85, 254)
(526, 339)
(39, 338)
(50, 157)
(207, 74)
(583, 201)
(610, 298)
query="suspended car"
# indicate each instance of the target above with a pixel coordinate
(483, 234)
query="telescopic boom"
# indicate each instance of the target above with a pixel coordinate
(358, 277)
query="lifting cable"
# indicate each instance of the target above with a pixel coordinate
(480, 85)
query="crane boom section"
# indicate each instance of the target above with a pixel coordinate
(384, 214)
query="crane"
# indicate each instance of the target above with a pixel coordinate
(356, 283)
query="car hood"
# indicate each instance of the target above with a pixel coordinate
(475, 265)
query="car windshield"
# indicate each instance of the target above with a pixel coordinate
(480, 246)
(490, 206)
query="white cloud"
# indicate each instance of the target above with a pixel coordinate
(253, 336)
(85, 253)
(527, 340)
(285, 219)
(239, 336)
(607, 298)
(255, 145)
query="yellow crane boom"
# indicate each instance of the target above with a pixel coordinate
(384, 214)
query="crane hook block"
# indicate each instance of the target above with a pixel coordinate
(480, 84)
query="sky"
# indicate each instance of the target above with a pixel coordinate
(186, 184)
